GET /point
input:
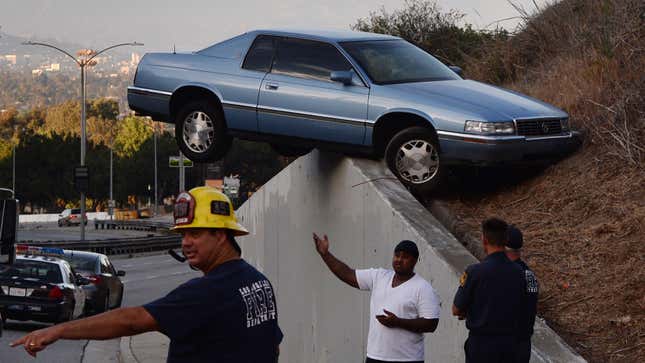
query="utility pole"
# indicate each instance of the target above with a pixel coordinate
(182, 173)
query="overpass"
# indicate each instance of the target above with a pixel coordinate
(365, 211)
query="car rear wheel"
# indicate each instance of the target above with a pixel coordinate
(201, 133)
(290, 151)
(413, 156)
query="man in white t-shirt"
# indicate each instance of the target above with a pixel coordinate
(403, 305)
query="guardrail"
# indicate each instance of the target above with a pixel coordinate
(131, 225)
(120, 246)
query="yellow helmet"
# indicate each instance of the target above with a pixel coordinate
(206, 207)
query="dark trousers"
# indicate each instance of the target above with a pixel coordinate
(370, 360)
(523, 351)
(490, 349)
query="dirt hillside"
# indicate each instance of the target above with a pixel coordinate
(583, 218)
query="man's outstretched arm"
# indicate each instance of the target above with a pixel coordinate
(337, 267)
(112, 324)
(417, 325)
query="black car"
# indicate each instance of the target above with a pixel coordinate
(40, 288)
(105, 290)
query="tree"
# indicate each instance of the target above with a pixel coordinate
(133, 132)
(422, 23)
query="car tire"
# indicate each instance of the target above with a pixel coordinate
(60, 224)
(201, 133)
(290, 151)
(413, 156)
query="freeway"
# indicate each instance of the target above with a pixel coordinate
(49, 231)
(147, 278)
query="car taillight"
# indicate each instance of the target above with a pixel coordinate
(95, 279)
(55, 293)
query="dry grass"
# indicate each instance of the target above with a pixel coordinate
(587, 57)
(583, 218)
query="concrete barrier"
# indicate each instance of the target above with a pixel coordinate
(365, 211)
(42, 218)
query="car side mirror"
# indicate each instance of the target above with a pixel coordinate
(80, 280)
(120, 273)
(458, 70)
(344, 77)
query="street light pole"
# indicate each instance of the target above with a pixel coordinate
(85, 58)
(154, 133)
(110, 206)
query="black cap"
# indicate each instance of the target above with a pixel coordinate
(407, 246)
(515, 239)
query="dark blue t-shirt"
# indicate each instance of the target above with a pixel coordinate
(530, 305)
(492, 295)
(228, 315)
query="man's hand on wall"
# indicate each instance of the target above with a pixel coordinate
(322, 244)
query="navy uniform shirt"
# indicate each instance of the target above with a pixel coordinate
(491, 293)
(530, 305)
(227, 315)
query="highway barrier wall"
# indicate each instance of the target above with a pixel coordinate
(365, 211)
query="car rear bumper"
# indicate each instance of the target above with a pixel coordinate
(148, 102)
(50, 312)
(457, 148)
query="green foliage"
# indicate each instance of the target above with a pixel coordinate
(133, 132)
(422, 23)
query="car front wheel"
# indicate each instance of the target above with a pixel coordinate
(413, 156)
(201, 133)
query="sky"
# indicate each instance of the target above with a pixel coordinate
(194, 24)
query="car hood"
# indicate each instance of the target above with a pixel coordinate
(489, 102)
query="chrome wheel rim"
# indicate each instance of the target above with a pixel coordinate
(198, 132)
(417, 161)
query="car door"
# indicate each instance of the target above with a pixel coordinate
(79, 293)
(110, 279)
(298, 98)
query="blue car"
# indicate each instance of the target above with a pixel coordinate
(347, 91)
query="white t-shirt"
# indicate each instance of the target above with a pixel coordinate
(412, 299)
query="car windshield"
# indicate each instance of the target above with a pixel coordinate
(83, 264)
(397, 61)
(47, 272)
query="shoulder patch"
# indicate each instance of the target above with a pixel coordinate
(463, 278)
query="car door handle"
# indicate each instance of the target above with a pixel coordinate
(271, 86)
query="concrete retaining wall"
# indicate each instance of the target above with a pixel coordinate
(365, 211)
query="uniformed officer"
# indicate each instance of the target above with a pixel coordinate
(490, 298)
(514, 253)
(227, 315)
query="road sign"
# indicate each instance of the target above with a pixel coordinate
(81, 179)
(173, 162)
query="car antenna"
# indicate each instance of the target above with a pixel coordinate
(174, 50)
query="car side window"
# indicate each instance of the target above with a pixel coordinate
(308, 59)
(105, 266)
(260, 55)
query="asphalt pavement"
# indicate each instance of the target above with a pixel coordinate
(147, 277)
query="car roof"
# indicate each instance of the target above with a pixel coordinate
(82, 254)
(46, 259)
(327, 35)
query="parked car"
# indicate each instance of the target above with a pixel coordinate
(348, 91)
(105, 290)
(40, 286)
(70, 217)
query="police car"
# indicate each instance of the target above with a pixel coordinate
(40, 286)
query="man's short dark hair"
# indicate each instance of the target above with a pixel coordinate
(494, 230)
